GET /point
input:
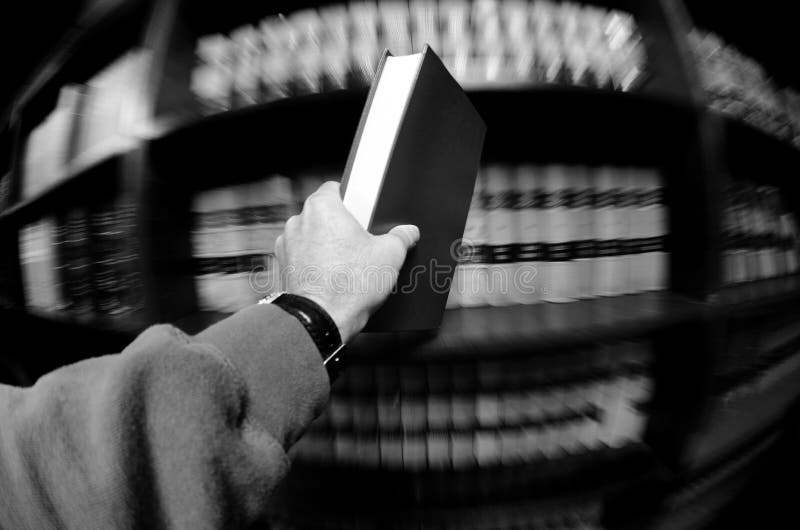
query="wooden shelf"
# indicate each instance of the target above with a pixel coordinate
(521, 330)
(126, 326)
(742, 413)
(562, 123)
(698, 497)
(756, 297)
(497, 332)
(81, 177)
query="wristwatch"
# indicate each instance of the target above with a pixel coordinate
(318, 323)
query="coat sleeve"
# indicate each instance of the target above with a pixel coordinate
(174, 432)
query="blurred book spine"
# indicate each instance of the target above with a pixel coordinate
(38, 261)
(48, 147)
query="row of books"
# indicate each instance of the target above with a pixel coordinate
(533, 234)
(482, 42)
(82, 262)
(738, 86)
(88, 121)
(761, 236)
(485, 414)
(559, 234)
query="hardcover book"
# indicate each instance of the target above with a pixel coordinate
(414, 160)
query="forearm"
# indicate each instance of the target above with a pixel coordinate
(176, 431)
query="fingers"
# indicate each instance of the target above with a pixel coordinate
(329, 187)
(407, 234)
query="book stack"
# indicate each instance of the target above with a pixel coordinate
(82, 261)
(738, 86)
(560, 234)
(48, 146)
(484, 413)
(761, 238)
(482, 43)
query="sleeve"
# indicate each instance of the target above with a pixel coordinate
(174, 432)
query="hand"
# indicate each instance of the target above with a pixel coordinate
(325, 255)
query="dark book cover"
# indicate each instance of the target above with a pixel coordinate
(428, 181)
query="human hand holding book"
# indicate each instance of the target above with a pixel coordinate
(327, 256)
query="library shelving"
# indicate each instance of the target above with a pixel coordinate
(720, 357)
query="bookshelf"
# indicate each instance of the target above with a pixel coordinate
(664, 125)
(517, 331)
(80, 177)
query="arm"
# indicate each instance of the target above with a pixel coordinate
(179, 431)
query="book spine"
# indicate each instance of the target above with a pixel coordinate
(559, 286)
(212, 77)
(500, 200)
(626, 206)
(39, 266)
(739, 243)
(584, 244)
(116, 282)
(246, 68)
(424, 25)
(529, 221)
(79, 263)
(657, 255)
(752, 233)
(790, 240)
(394, 26)
(104, 239)
(471, 274)
(773, 205)
(609, 231)
(128, 256)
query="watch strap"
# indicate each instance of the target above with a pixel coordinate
(319, 325)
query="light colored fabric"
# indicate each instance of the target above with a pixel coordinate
(174, 432)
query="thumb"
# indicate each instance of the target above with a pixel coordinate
(407, 234)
